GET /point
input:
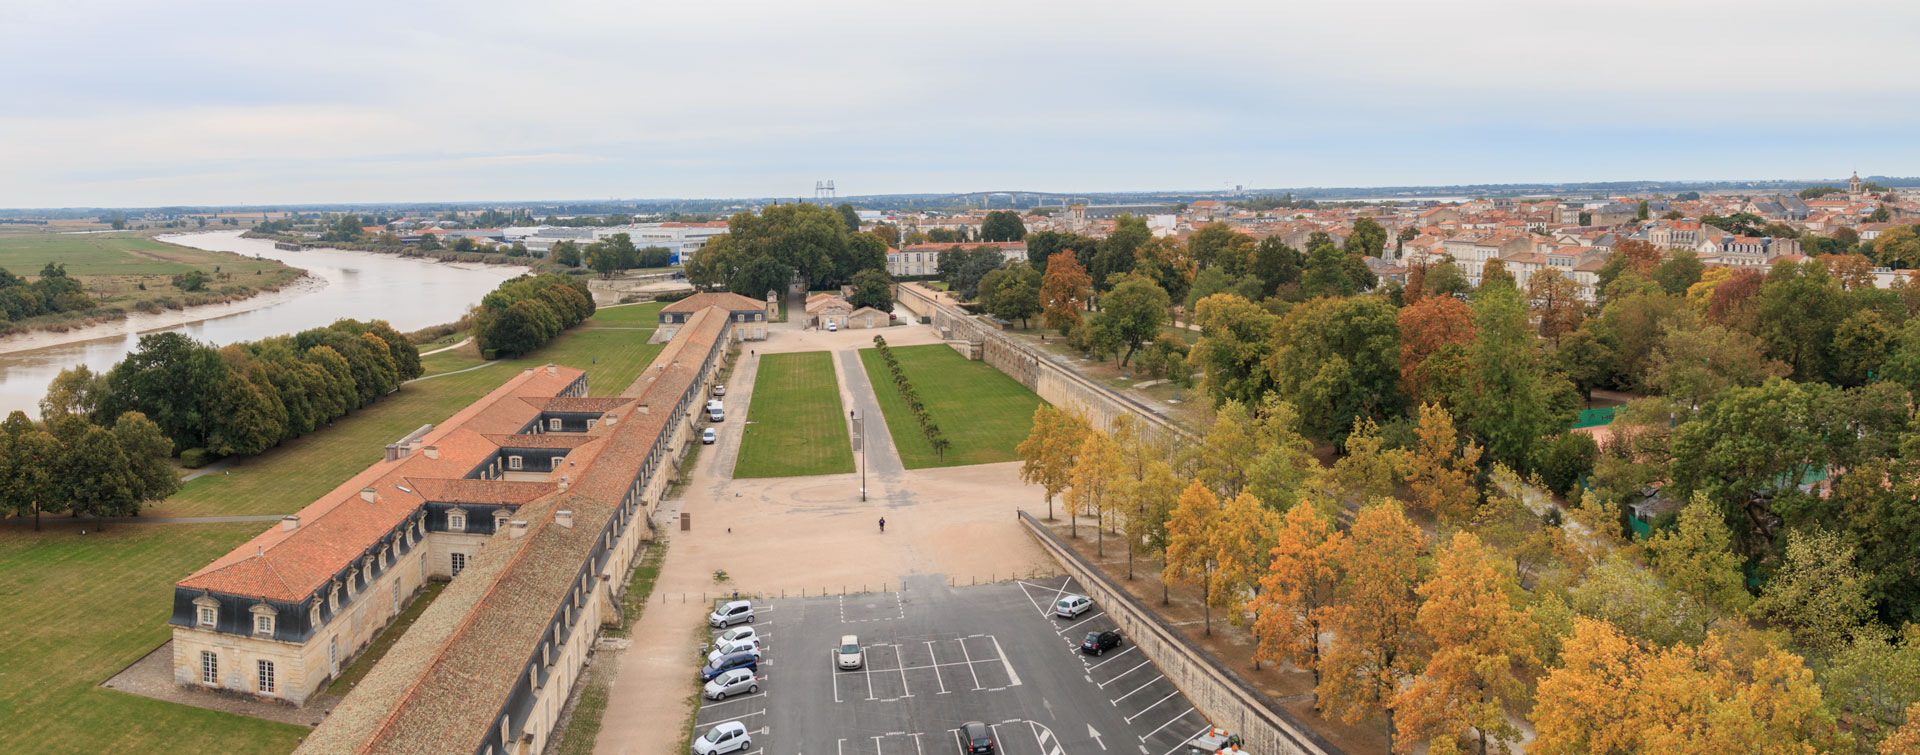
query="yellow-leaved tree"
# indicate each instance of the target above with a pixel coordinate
(1696, 557)
(1227, 451)
(1367, 471)
(1190, 543)
(1375, 641)
(1297, 590)
(1047, 455)
(1243, 543)
(1097, 482)
(1583, 705)
(1481, 634)
(1439, 468)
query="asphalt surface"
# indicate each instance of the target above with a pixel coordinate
(936, 657)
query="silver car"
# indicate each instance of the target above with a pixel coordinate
(1071, 606)
(736, 682)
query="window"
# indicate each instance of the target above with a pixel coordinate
(459, 562)
(313, 616)
(513, 462)
(556, 459)
(208, 615)
(209, 667)
(553, 424)
(266, 677)
(262, 624)
(499, 520)
(457, 522)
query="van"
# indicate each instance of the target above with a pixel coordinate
(713, 405)
(715, 415)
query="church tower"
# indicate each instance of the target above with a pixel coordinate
(1853, 184)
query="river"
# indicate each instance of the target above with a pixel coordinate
(408, 292)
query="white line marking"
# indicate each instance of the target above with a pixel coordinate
(1183, 742)
(1116, 677)
(731, 700)
(936, 669)
(1128, 649)
(1036, 604)
(1183, 714)
(1013, 679)
(876, 746)
(1116, 701)
(916, 745)
(969, 657)
(898, 660)
(1058, 593)
(1143, 711)
(1070, 627)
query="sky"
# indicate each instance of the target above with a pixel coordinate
(138, 103)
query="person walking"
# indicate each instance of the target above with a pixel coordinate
(883, 525)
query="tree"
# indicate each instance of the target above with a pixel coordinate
(1679, 271)
(1898, 247)
(1236, 337)
(1555, 301)
(1326, 272)
(1063, 292)
(1165, 262)
(851, 217)
(1092, 484)
(149, 475)
(1297, 591)
(1480, 635)
(1118, 250)
(1693, 364)
(1585, 702)
(564, 253)
(1566, 460)
(1243, 542)
(1047, 455)
(1641, 212)
(1218, 245)
(1696, 557)
(1439, 469)
(1515, 401)
(872, 288)
(1338, 360)
(1367, 240)
(1135, 309)
(1632, 598)
(97, 481)
(1799, 307)
(1017, 299)
(77, 391)
(1494, 273)
(1002, 225)
(1426, 327)
(1907, 738)
(1818, 594)
(1375, 646)
(33, 461)
(1190, 549)
(1043, 245)
(1276, 264)
(172, 380)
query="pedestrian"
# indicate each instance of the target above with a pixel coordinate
(883, 525)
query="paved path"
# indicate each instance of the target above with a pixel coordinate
(468, 340)
(480, 366)
(856, 392)
(726, 448)
(208, 469)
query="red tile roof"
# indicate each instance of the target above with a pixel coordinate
(730, 302)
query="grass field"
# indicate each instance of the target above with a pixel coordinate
(796, 425)
(982, 411)
(80, 608)
(285, 478)
(630, 315)
(113, 266)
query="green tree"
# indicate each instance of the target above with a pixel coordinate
(1134, 310)
(1236, 337)
(850, 216)
(1367, 240)
(1119, 250)
(77, 390)
(1514, 401)
(564, 253)
(1043, 245)
(1002, 225)
(872, 288)
(1696, 557)
(1018, 299)
(1818, 594)
(1276, 264)
(1326, 273)
(173, 381)
(1218, 245)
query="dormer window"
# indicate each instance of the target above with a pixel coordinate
(313, 615)
(209, 616)
(263, 619)
(456, 521)
(334, 601)
(554, 424)
(513, 462)
(556, 459)
(500, 520)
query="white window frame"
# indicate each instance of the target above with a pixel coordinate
(263, 624)
(515, 463)
(500, 520)
(458, 561)
(457, 521)
(556, 459)
(553, 424)
(209, 667)
(209, 616)
(267, 681)
(591, 423)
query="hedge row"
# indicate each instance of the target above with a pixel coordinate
(935, 438)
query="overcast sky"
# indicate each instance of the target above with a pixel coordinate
(183, 102)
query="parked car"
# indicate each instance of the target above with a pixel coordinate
(719, 389)
(731, 613)
(1098, 643)
(708, 437)
(715, 415)
(832, 326)
(849, 655)
(978, 737)
(1071, 606)
(727, 737)
(738, 633)
(736, 682)
(749, 661)
(891, 317)
(750, 648)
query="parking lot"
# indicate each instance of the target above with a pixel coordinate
(935, 657)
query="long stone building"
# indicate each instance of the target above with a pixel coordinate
(533, 501)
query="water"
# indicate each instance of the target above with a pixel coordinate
(409, 293)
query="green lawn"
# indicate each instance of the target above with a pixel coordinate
(796, 426)
(377, 649)
(292, 475)
(113, 266)
(630, 315)
(982, 411)
(78, 609)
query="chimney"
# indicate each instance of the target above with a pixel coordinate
(290, 522)
(432, 452)
(563, 484)
(516, 529)
(403, 450)
(393, 451)
(552, 370)
(609, 419)
(369, 495)
(564, 518)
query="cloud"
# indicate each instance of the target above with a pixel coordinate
(122, 103)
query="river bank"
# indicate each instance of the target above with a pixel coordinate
(135, 323)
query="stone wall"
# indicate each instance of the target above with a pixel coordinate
(1216, 691)
(1059, 385)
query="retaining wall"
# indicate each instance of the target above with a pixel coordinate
(1059, 385)
(1216, 691)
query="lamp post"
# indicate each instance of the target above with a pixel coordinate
(860, 429)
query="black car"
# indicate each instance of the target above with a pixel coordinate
(979, 738)
(1097, 643)
(747, 660)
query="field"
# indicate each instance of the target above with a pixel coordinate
(80, 608)
(113, 266)
(984, 413)
(282, 480)
(796, 426)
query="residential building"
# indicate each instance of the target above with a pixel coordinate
(749, 316)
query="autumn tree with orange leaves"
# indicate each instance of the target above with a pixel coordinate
(1297, 591)
(1190, 551)
(1375, 644)
(1480, 635)
(1063, 291)
(1439, 469)
(1426, 328)
(1555, 301)
(1243, 541)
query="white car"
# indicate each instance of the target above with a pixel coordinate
(727, 737)
(708, 436)
(731, 613)
(1071, 606)
(848, 656)
(739, 681)
(832, 326)
(717, 653)
(736, 634)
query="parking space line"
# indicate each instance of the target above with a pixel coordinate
(1116, 701)
(866, 670)
(916, 744)
(1143, 711)
(1128, 649)
(935, 659)
(1013, 679)
(876, 745)
(716, 703)
(1183, 714)
(1183, 742)
(1057, 594)
(1029, 594)
(1116, 677)
(969, 657)
(1070, 627)
(898, 660)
